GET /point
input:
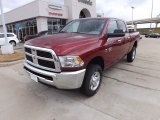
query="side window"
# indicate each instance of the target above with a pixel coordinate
(10, 35)
(122, 26)
(112, 26)
(1, 35)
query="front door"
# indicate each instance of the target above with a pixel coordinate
(113, 46)
(126, 40)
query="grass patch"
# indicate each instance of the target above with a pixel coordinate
(18, 55)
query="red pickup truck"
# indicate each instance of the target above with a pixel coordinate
(79, 53)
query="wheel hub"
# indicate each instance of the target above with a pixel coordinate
(95, 81)
(134, 54)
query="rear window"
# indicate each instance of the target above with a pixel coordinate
(10, 35)
(122, 26)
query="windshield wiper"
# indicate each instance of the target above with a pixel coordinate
(73, 32)
(68, 32)
(79, 32)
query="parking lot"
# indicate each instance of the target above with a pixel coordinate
(130, 91)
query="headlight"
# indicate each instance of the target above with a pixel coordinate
(71, 61)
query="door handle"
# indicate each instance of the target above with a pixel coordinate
(119, 41)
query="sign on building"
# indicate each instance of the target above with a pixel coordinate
(88, 2)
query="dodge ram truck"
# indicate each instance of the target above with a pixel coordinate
(75, 57)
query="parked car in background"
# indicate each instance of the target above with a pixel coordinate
(11, 37)
(131, 28)
(42, 33)
(144, 33)
(153, 35)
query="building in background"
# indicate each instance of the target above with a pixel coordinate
(41, 15)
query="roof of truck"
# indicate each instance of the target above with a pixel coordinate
(101, 18)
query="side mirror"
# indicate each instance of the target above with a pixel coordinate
(117, 33)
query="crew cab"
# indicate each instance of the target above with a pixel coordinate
(79, 53)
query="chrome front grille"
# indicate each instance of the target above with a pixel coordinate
(28, 50)
(44, 54)
(29, 58)
(42, 58)
(46, 63)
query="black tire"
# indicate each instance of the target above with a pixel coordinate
(13, 43)
(88, 82)
(131, 55)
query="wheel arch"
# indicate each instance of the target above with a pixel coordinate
(97, 60)
(13, 41)
(135, 44)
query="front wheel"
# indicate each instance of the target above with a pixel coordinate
(131, 55)
(92, 80)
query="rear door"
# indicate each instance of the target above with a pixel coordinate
(113, 45)
(125, 42)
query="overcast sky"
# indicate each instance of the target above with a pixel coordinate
(110, 8)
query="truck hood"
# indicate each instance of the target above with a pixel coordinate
(66, 43)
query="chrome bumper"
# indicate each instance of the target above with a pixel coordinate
(63, 80)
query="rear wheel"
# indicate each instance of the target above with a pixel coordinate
(13, 43)
(132, 55)
(92, 80)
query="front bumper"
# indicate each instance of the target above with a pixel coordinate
(63, 80)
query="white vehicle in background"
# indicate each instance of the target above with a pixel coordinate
(131, 28)
(11, 37)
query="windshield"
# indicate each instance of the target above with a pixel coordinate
(85, 26)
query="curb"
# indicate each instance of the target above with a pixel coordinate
(6, 64)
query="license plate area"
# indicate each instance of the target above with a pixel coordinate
(34, 77)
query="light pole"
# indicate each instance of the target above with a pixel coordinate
(132, 14)
(151, 14)
(102, 13)
(7, 48)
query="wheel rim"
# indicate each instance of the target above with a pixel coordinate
(13, 44)
(95, 81)
(134, 54)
